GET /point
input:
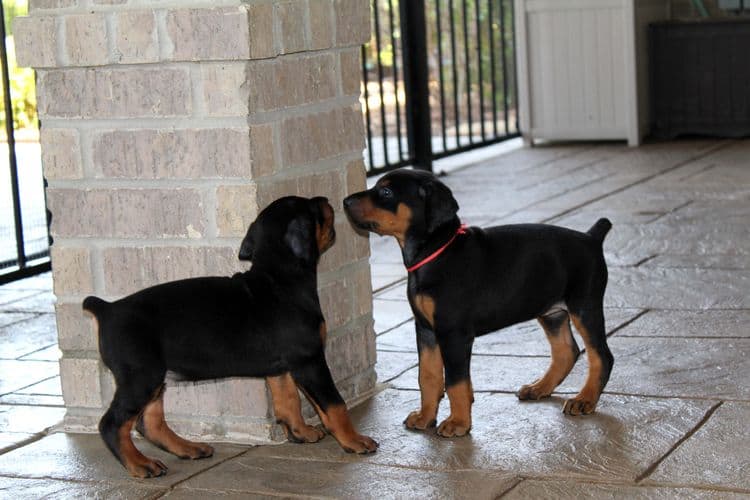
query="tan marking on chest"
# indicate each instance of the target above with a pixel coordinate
(426, 307)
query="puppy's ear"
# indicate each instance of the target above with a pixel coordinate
(248, 244)
(440, 205)
(300, 238)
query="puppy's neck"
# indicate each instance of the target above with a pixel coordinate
(419, 245)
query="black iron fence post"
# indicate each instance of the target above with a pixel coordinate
(418, 120)
(20, 250)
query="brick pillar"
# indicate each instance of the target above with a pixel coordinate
(164, 131)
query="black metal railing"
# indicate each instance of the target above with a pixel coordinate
(438, 79)
(24, 236)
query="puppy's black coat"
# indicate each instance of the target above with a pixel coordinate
(265, 322)
(465, 282)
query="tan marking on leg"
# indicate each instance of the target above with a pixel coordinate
(426, 307)
(564, 355)
(585, 401)
(431, 388)
(323, 332)
(134, 461)
(288, 409)
(336, 420)
(156, 430)
(459, 422)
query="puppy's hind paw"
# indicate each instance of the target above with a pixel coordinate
(419, 421)
(579, 406)
(450, 427)
(533, 392)
(305, 434)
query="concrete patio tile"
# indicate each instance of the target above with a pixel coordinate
(689, 324)
(15, 487)
(50, 387)
(523, 339)
(24, 337)
(40, 302)
(716, 455)
(10, 318)
(85, 458)
(556, 489)
(257, 473)
(677, 367)
(40, 282)
(390, 313)
(49, 353)
(503, 374)
(621, 440)
(706, 261)
(29, 419)
(396, 292)
(628, 243)
(392, 364)
(8, 296)
(15, 375)
(678, 288)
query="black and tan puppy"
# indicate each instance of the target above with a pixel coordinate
(265, 322)
(465, 282)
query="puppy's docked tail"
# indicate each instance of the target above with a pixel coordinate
(600, 229)
(95, 305)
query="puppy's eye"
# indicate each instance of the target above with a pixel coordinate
(385, 193)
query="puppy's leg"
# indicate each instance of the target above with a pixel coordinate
(565, 352)
(116, 424)
(589, 322)
(457, 359)
(288, 410)
(152, 426)
(431, 381)
(316, 382)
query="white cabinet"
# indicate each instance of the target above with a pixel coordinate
(583, 68)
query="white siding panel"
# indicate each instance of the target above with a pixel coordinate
(579, 67)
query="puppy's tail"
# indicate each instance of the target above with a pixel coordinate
(95, 305)
(600, 229)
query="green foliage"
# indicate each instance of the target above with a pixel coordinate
(22, 88)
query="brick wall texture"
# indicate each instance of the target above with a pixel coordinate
(167, 126)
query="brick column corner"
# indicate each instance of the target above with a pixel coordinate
(165, 130)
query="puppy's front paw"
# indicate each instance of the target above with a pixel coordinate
(305, 434)
(357, 443)
(146, 468)
(451, 427)
(419, 421)
(579, 406)
(533, 392)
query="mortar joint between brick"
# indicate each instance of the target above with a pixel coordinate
(60, 53)
(210, 204)
(196, 83)
(164, 42)
(113, 55)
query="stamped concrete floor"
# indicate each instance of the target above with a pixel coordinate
(674, 421)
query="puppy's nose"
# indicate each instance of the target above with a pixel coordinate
(348, 202)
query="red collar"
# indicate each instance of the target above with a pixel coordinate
(434, 255)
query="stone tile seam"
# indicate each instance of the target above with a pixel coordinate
(670, 212)
(33, 383)
(254, 491)
(625, 323)
(34, 315)
(613, 481)
(395, 327)
(706, 417)
(20, 358)
(707, 152)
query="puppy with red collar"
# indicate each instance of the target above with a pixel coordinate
(265, 322)
(465, 282)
